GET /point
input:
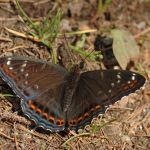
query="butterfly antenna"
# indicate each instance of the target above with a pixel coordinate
(83, 60)
(98, 59)
(81, 64)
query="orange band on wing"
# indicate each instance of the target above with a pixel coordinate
(59, 122)
(74, 122)
(10, 73)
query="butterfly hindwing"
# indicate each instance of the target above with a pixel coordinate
(96, 90)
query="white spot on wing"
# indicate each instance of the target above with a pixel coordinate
(133, 77)
(22, 70)
(24, 65)
(26, 75)
(8, 62)
(36, 86)
(109, 91)
(112, 84)
(26, 82)
(118, 76)
(118, 81)
(9, 58)
(99, 92)
(133, 74)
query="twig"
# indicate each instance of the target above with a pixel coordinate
(15, 138)
(40, 2)
(137, 112)
(7, 10)
(6, 136)
(80, 32)
(5, 1)
(124, 145)
(75, 136)
(142, 33)
(5, 39)
(33, 133)
(22, 35)
(141, 136)
(12, 117)
(10, 19)
(16, 47)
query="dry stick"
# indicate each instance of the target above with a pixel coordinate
(5, 9)
(15, 138)
(33, 133)
(22, 35)
(142, 33)
(5, 39)
(6, 136)
(10, 19)
(137, 112)
(16, 47)
(31, 1)
(41, 2)
(123, 147)
(75, 136)
(139, 123)
(5, 1)
(5, 115)
(141, 136)
(18, 19)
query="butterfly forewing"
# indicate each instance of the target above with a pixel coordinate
(39, 85)
(97, 90)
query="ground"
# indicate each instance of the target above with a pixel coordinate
(126, 125)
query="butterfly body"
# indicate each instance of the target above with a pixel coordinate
(71, 80)
(56, 99)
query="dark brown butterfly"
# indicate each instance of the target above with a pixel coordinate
(56, 99)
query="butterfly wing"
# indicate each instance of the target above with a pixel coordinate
(40, 86)
(97, 90)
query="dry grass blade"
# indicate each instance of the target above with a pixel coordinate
(15, 138)
(73, 137)
(81, 32)
(137, 112)
(142, 33)
(12, 117)
(6, 136)
(33, 133)
(22, 35)
(5, 1)
(5, 39)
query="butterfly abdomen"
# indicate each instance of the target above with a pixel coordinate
(71, 81)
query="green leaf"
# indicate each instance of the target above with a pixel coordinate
(125, 47)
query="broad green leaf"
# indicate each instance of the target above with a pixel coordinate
(125, 47)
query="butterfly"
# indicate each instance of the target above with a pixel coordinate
(57, 99)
